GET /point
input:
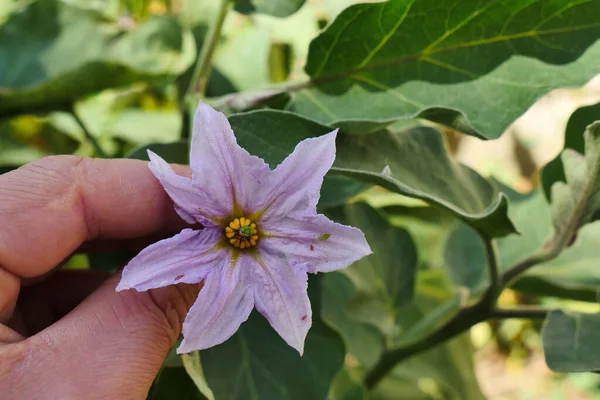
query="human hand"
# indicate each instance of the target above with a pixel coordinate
(58, 343)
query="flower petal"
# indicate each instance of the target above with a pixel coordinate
(220, 166)
(316, 241)
(225, 301)
(184, 258)
(295, 185)
(280, 296)
(191, 203)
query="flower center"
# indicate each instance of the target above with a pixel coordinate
(242, 233)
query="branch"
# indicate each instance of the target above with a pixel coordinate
(204, 63)
(88, 135)
(550, 251)
(531, 312)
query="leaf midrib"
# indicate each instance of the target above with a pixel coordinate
(425, 54)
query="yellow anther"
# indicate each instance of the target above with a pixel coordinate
(242, 233)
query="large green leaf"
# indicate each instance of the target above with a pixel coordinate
(279, 8)
(414, 163)
(571, 341)
(52, 53)
(475, 65)
(257, 364)
(581, 118)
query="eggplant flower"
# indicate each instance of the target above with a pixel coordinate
(261, 235)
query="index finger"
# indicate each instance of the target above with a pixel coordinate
(50, 207)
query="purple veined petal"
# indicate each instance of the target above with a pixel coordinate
(219, 165)
(224, 302)
(316, 241)
(295, 185)
(191, 203)
(184, 258)
(280, 296)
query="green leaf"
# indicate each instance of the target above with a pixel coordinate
(257, 364)
(553, 171)
(577, 201)
(531, 216)
(389, 273)
(279, 8)
(571, 341)
(465, 258)
(174, 383)
(416, 163)
(454, 62)
(73, 52)
(363, 341)
(383, 281)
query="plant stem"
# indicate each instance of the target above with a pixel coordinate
(88, 135)
(531, 312)
(546, 253)
(203, 65)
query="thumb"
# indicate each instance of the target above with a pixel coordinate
(111, 346)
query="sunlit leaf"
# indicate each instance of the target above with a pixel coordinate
(454, 62)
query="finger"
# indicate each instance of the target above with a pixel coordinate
(50, 207)
(9, 291)
(121, 339)
(46, 302)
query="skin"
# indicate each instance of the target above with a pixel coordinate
(68, 334)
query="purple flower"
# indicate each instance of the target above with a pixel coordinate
(261, 235)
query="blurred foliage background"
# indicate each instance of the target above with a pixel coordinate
(129, 66)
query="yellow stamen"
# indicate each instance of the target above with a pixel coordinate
(242, 233)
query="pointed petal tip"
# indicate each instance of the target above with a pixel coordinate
(185, 348)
